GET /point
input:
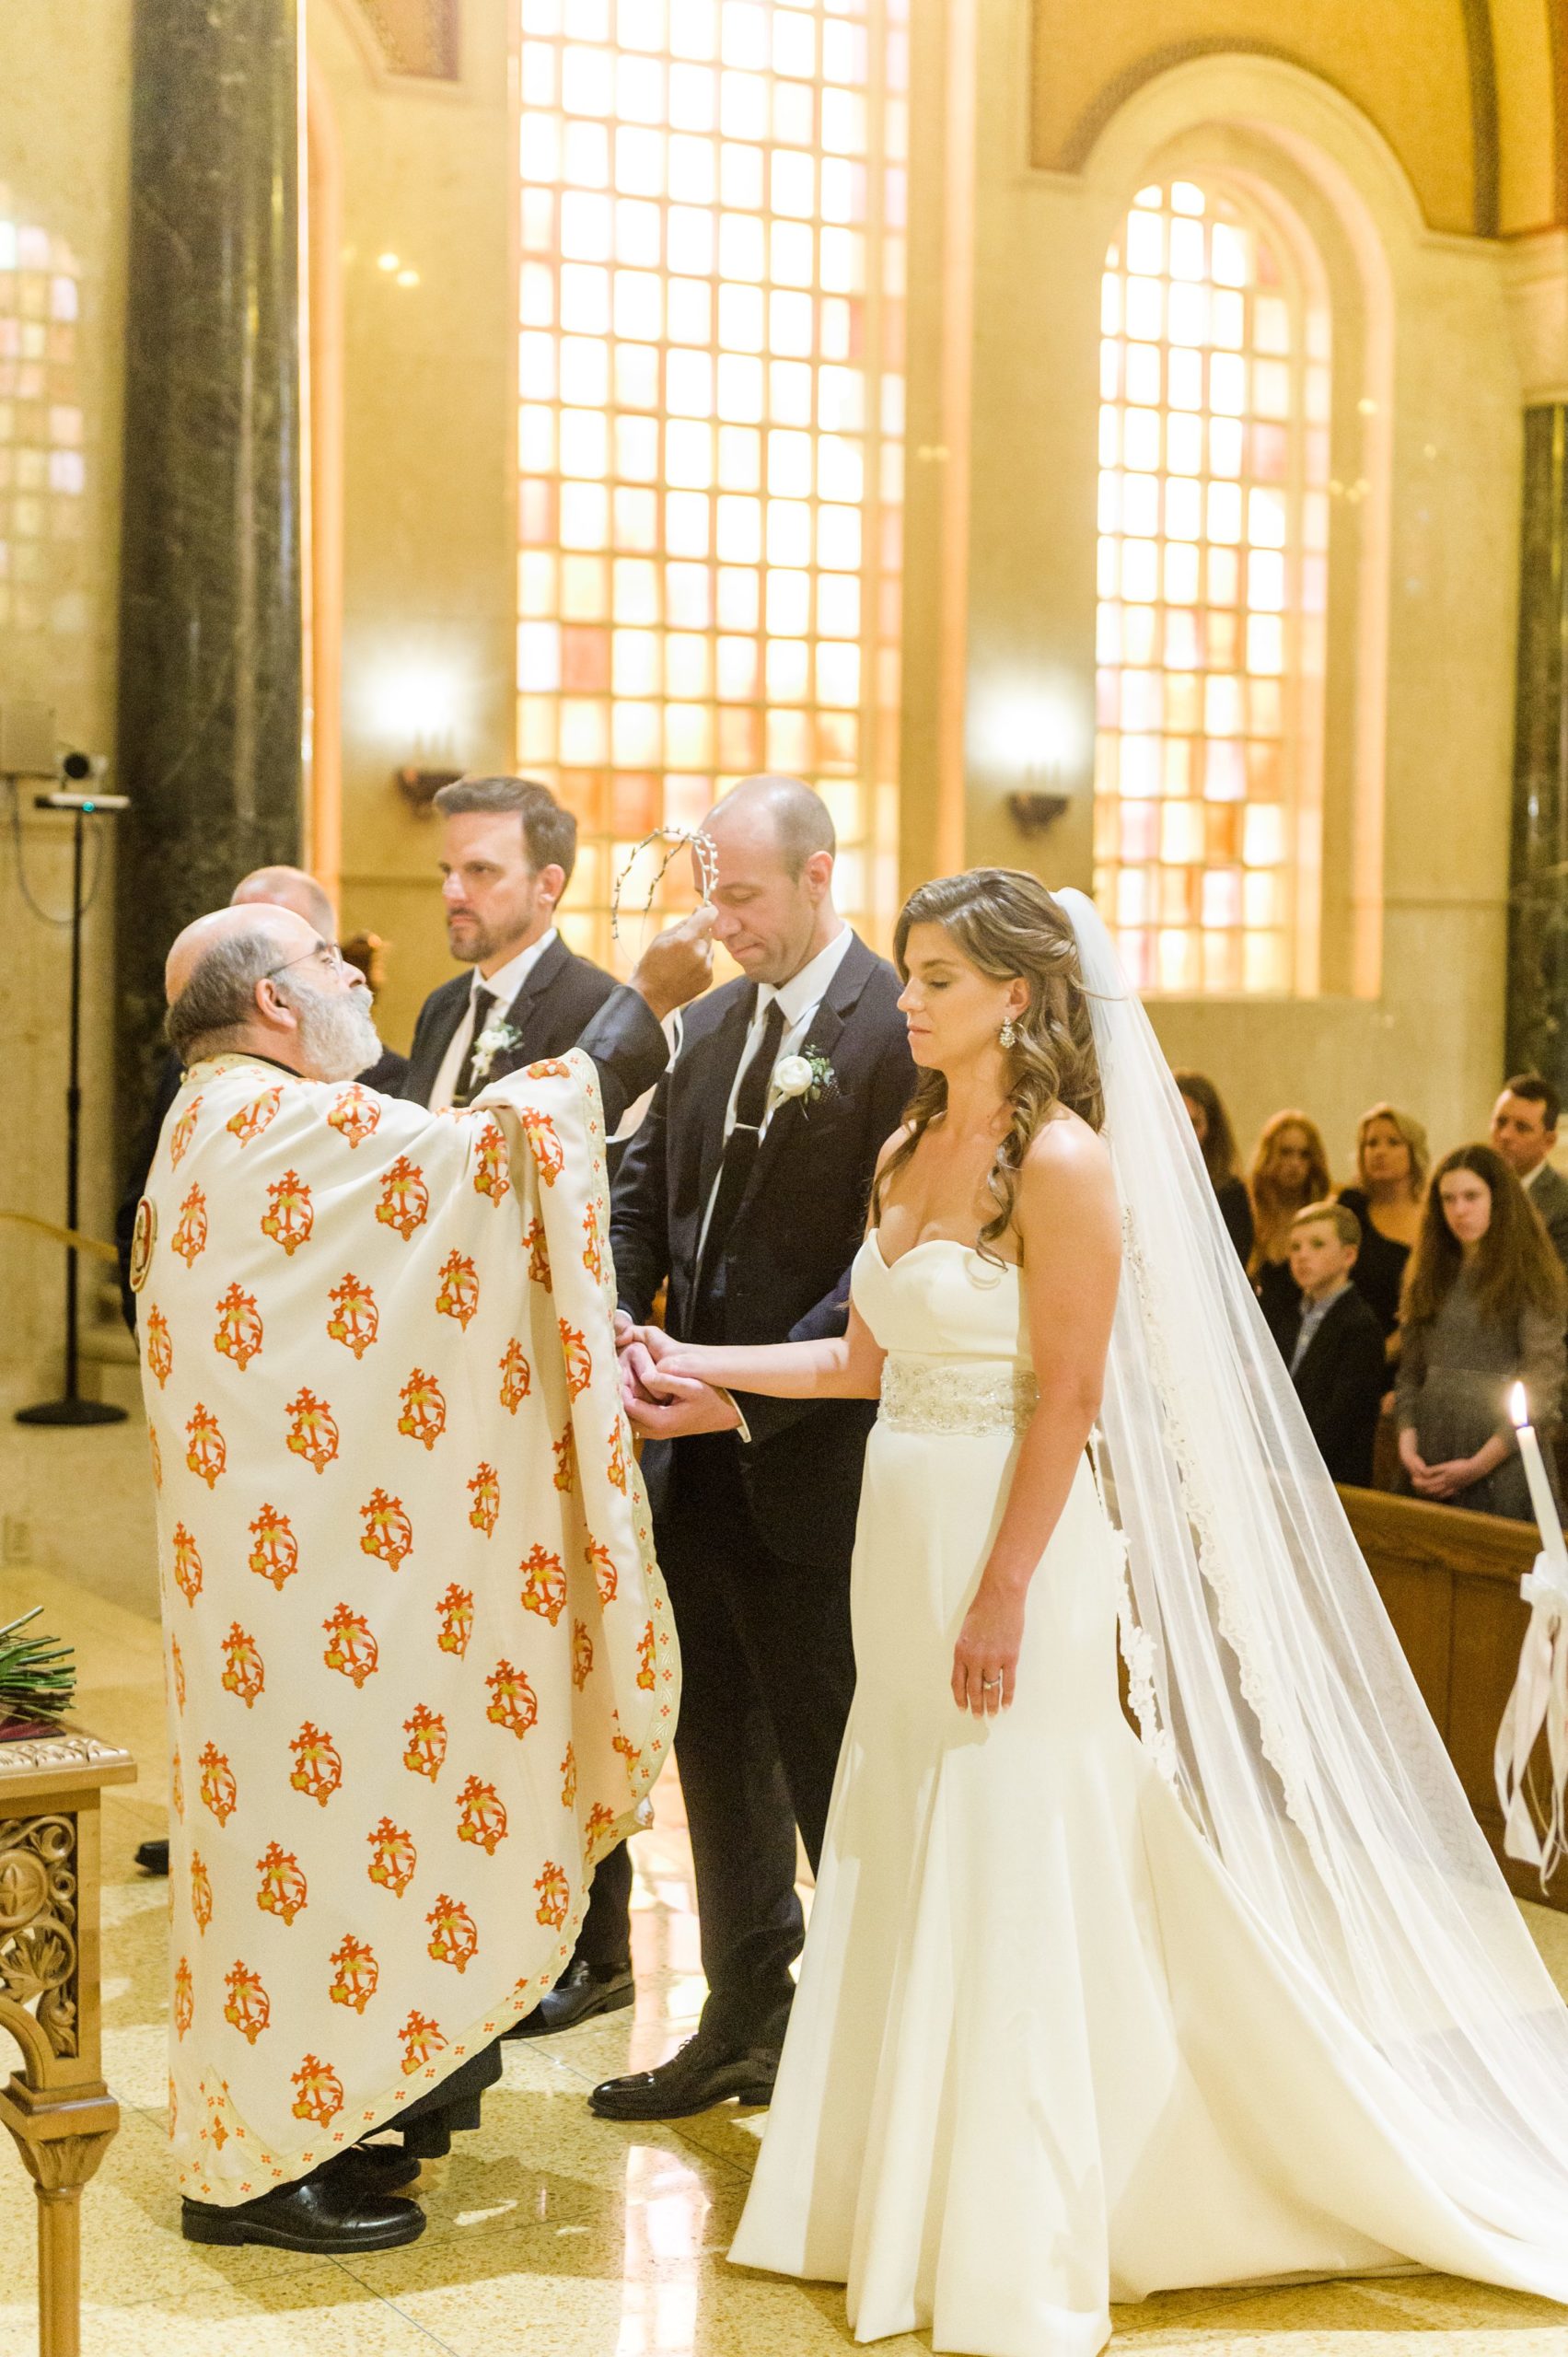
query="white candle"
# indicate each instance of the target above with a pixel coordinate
(1545, 1504)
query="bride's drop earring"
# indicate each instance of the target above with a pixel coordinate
(1007, 1035)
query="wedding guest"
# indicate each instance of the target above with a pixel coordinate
(1483, 1308)
(1391, 1163)
(1290, 1170)
(1524, 1130)
(1336, 1353)
(1216, 1143)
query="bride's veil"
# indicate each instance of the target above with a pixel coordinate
(1271, 1691)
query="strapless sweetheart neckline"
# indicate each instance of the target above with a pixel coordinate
(874, 1238)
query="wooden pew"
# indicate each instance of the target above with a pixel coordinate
(1449, 1582)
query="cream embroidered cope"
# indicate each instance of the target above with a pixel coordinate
(420, 1660)
(945, 1396)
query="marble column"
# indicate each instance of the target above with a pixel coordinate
(211, 643)
(1537, 914)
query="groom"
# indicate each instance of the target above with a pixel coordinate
(745, 1192)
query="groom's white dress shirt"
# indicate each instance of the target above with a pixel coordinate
(799, 998)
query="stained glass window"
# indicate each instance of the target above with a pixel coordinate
(43, 471)
(1214, 459)
(711, 419)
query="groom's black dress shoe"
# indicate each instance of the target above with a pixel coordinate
(695, 2080)
(153, 1857)
(578, 1995)
(325, 2212)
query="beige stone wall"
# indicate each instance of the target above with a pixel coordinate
(64, 129)
(429, 447)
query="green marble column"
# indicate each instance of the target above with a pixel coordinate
(211, 648)
(1537, 910)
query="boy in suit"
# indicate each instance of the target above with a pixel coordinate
(1335, 1349)
(744, 1193)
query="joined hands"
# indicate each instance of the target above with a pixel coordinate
(662, 1402)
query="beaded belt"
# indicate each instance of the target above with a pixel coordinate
(955, 1395)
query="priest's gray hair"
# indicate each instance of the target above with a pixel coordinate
(214, 1010)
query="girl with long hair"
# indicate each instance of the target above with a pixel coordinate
(1085, 2013)
(1216, 1144)
(1290, 1170)
(1391, 1163)
(1482, 1309)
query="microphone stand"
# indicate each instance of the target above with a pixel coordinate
(72, 1409)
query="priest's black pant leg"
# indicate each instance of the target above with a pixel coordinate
(428, 2124)
(765, 1690)
(604, 1940)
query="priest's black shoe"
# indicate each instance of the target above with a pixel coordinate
(701, 2075)
(578, 1996)
(153, 1857)
(325, 2212)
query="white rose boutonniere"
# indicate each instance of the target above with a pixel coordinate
(806, 1077)
(496, 1039)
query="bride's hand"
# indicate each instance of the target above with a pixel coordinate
(985, 1659)
(680, 1370)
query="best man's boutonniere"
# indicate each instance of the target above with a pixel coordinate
(806, 1077)
(495, 1040)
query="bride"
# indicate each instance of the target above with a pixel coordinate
(1085, 2014)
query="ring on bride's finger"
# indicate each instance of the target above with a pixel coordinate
(988, 1682)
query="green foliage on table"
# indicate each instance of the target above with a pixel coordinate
(38, 1676)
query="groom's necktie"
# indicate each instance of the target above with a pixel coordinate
(463, 1086)
(740, 1146)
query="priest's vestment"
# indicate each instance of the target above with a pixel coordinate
(420, 1664)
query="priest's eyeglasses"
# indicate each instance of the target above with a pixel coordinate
(325, 953)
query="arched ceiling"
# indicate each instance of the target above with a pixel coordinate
(1469, 94)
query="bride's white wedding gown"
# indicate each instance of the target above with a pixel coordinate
(1044, 2055)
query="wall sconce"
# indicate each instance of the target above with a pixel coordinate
(1033, 813)
(418, 787)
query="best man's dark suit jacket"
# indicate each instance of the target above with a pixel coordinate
(795, 1232)
(1340, 1382)
(551, 1011)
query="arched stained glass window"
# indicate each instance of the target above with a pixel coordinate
(1213, 581)
(712, 416)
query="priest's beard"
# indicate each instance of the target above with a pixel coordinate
(337, 1031)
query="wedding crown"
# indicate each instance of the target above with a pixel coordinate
(704, 855)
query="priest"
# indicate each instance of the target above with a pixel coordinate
(421, 1668)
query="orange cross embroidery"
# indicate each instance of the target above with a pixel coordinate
(355, 1320)
(291, 1216)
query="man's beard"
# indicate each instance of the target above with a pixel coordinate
(481, 942)
(337, 1031)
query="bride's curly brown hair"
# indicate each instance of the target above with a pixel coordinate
(1005, 924)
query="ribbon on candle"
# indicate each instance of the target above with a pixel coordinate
(1540, 1689)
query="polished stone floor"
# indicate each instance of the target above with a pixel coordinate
(550, 2234)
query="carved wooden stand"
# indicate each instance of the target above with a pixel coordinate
(56, 2105)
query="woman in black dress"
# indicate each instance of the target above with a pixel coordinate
(1290, 1170)
(1216, 1144)
(1392, 1162)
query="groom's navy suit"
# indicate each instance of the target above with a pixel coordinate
(755, 1536)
